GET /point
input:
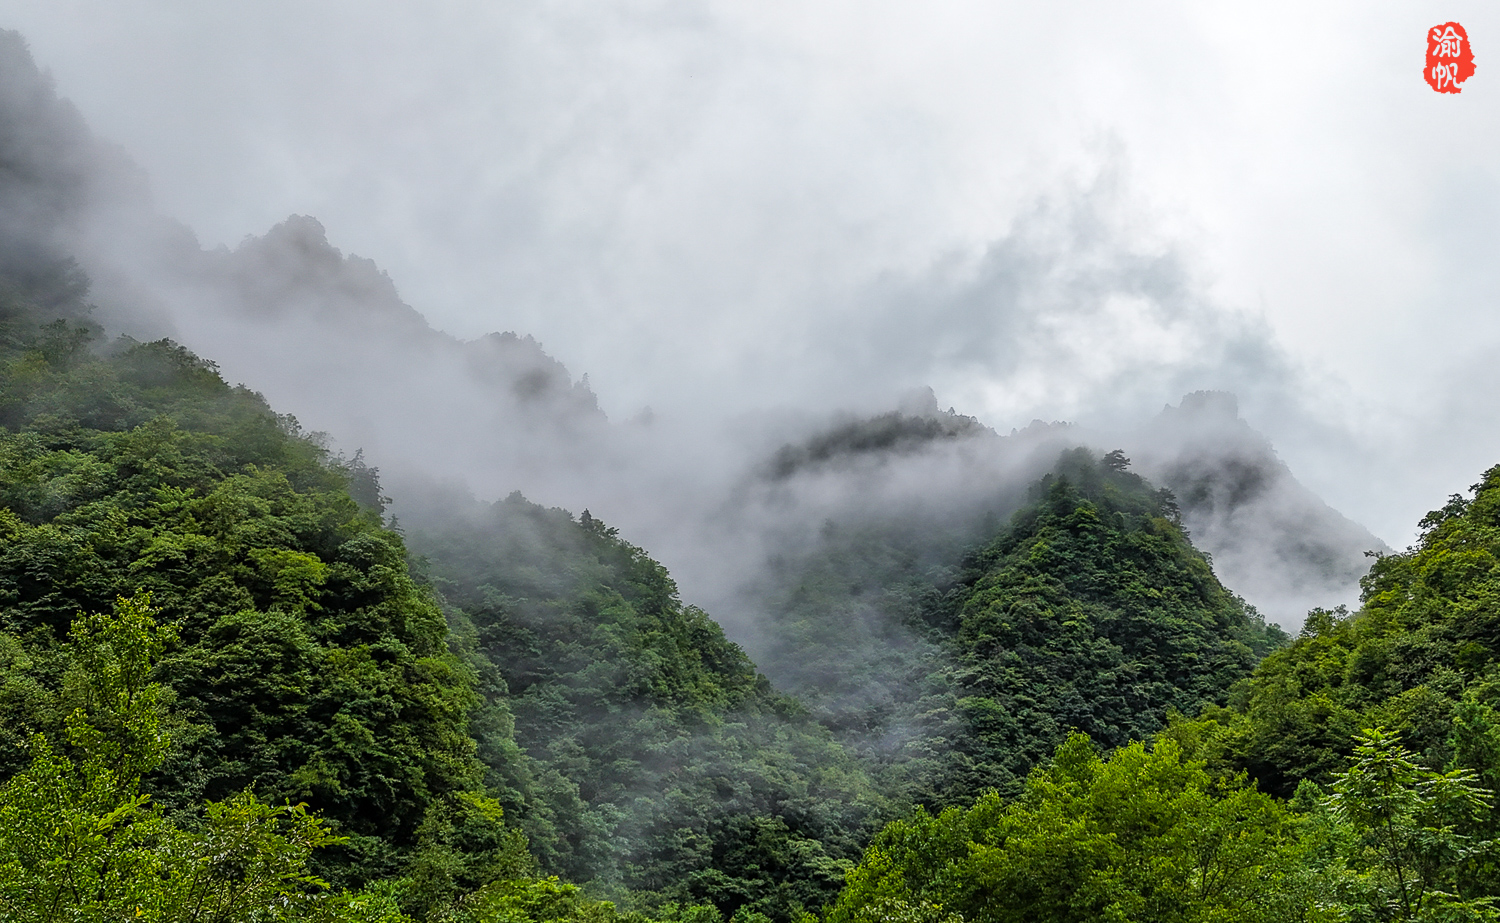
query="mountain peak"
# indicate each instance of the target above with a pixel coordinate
(1221, 405)
(1271, 538)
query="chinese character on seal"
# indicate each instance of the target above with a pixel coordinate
(1450, 59)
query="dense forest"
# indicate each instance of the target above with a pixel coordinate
(213, 639)
(640, 750)
(233, 686)
(1350, 777)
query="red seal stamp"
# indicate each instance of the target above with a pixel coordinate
(1450, 59)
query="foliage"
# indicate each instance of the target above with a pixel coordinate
(306, 662)
(1418, 658)
(1145, 835)
(80, 840)
(659, 767)
(1393, 840)
(1409, 852)
(1092, 612)
(1417, 662)
(951, 672)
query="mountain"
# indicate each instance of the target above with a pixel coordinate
(1379, 728)
(953, 652)
(309, 665)
(323, 335)
(1091, 613)
(914, 428)
(1270, 538)
(557, 672)
(655, 763)
(53, 172)
(326, 336)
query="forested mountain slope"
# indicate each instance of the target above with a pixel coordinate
(639, 747)
(1092, 612)
(268, 647)
(1380, 727)
(658, 759)
(945, 672)
(1420, 657)
(311, 666)
(954, 663)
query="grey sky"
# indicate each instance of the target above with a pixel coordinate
(1063, 211)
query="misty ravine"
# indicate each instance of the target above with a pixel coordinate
(310, 611)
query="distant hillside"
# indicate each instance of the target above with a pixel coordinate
(327, 336)
(659, 765)
(1270, 538)
(1420, 657)
(291, 281)
(1091, 612)
(322, 335)
(954, 653)
(910, 430)
(52, 168)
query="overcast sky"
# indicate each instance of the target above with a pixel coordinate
(1067, 211)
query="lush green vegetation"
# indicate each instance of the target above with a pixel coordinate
(310, 664)
(1091, 613)
(283, 720)
(1377, 727)
(1150, 834)
(1419, 658)
(638, 748)
(954, 672)
(300, 663)
(227, 692)
(1144, 835)
(658, 766)
(81, 838)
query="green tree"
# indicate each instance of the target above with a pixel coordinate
(1146, 835)
(658, 766)
(1092, 611)
(1410, 841)
(79, 840)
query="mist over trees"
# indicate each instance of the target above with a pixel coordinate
(648, 756)
(1269, 536)
(326, 336)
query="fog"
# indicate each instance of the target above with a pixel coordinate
(752, 224)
